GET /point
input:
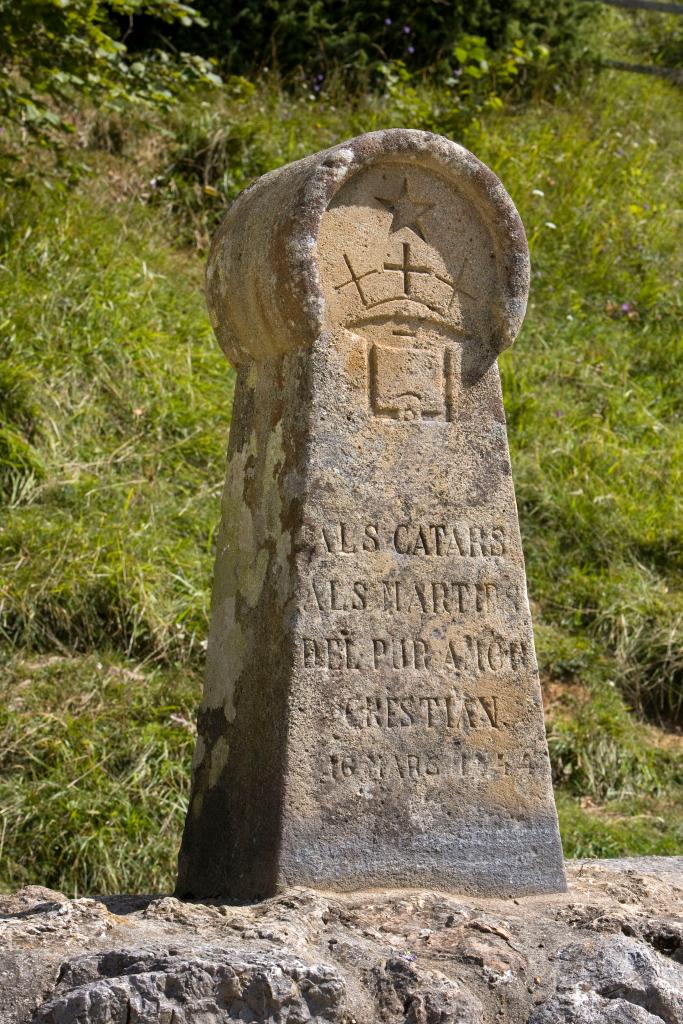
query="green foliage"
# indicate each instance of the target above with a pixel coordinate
(20, 463)
(664, 41)
(478, 81)
(126, 53)
(319, 36)
(55, 50)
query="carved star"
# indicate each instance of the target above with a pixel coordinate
(407, 210)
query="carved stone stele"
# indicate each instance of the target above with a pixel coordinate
(372, 712)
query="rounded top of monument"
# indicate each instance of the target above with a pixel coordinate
(394, 223)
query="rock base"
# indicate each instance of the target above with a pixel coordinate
(609, 951)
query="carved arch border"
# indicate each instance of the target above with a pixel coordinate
(263, 288)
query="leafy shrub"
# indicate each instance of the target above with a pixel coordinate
(54, 49)
(320, 35)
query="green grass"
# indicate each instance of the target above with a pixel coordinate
(122, 404)
(623, 828)
(115, 407)
(593, 391)
(95, 755)
(601, 753)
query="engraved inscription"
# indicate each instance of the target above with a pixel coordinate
(470, 655)
(473, 765)
(441, 669)
(355, 280)
(457, 285)
(443, 597)
(444, 539)
(379, 766)
(338, 596)
(448, 597)
(333, 654)
(399, 653)
(452, 539)
(453, 711)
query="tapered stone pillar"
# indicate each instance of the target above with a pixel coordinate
(372, 712)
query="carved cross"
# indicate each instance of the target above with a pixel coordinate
(355, 279)
(407, 268)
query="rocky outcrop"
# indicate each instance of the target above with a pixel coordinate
(609, 951)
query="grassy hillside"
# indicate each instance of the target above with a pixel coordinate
(115, 407)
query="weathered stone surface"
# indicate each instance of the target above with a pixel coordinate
(204, 983)
(608, 951)
(623, 981)
(372, 711)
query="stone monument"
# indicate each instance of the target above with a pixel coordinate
(372, 712)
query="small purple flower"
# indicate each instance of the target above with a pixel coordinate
(411, 49)
(626, 307)
(407, 30)
(388, 21)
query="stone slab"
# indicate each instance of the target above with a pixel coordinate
(372, 711)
